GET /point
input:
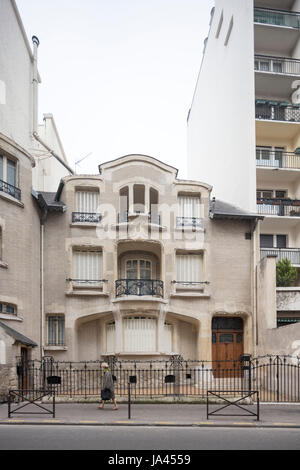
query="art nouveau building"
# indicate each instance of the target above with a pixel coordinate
(140, 264)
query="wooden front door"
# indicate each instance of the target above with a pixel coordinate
(227, 347)
(24, 365)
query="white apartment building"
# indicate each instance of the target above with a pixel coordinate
(244, 122)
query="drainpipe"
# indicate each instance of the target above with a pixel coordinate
(35, 83)
(42, 285)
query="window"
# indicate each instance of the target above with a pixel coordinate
(138, 269)
(8, 309)
(189, 213)
(189, 269)
(287, 318)
(139, 334)
(266, 241)
(87, 201)
(168, 337)
(56, 330)
(110, 337)
(8, 177)
(139, 199)
(87, 267)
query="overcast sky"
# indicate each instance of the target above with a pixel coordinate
(118, 75)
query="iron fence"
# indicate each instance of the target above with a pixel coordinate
(280, 207)
(276, 378)
(10, 189)
(86, 217)
(140, 287)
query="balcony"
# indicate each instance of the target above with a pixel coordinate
(10, 190)
(278, 159)
(279, 207)
(139, 287)
(86, 217)
(277, 111)
(123, 217)
(194, 222)
(277, 65)
(272, 17)
(292, 254)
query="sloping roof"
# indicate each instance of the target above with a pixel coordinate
(18, 336)
(223, 210)
(48, 201)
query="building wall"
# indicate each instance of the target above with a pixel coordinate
(220, 133)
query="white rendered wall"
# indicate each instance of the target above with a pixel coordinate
(221, 124)
(15, 79)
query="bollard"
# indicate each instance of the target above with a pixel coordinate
(129, 402)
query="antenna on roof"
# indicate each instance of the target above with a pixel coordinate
(79, 161)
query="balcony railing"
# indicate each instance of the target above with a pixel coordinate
(284, 65)
(279, 207)
(123, 217)
(194, 222)
(292, 254)
(276, 111)
(139, 287)
(11, 190)
(277, 17)
(86, 217)
(278, 159)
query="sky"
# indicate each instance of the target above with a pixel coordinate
(118, 75)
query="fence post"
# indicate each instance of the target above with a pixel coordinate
(129, 401)
(277, 377)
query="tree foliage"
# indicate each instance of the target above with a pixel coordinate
(286, 274)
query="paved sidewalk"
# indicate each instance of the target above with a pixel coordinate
(271, 415)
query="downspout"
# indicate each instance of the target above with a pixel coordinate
(42, 284)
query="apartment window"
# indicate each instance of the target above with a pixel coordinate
(139, 198)
(138, 269)
(168, 337)
(273, 241)
(8, 309)
(88, 267)
(87, 201)
(271, 194)
(56, 330)
(8, 177)
(189, 269)
(110, 337)
(268, 65)
(189, 213)
(139, 334)
(270, 156)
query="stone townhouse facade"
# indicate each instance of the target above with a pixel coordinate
(139, 264)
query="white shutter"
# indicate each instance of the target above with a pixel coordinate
(168, 337)
(139, 334)
(88, 265)
(87, 201)
(110, 337)
(189, 206)
(189, 268)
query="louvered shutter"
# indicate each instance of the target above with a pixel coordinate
(87, 201)
(88, 266)
(110, 337)
(189, 268)
(139, 334)
(189, 206)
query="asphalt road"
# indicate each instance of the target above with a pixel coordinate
(40, 437)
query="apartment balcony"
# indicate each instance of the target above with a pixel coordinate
(274, 117)
(139, 287)
(276, 30)
(278, 159)
(277, 111)
(10, 190)
(274, 76)
(124, 217)
(292, 254)
(193, 222)
(86, 217)
(278, 207)
(287, 19)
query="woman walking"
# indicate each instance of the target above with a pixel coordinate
(108, 385)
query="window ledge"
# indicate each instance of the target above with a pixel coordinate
(3, 265)
(55, 348)
(190, 294)
(11, 199)
(86, 225)
(7, 316)
(83, 292)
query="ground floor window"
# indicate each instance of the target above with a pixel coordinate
(56, 330)
(139, 334)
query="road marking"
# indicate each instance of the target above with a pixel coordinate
(121, 422)
(51, 421)
(206, 422)
(244, 424)
(16, 421)
(86, 421)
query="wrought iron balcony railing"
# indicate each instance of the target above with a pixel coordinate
(194, 222)
(284, 65)
(278, 159)
(280, 207)
(292, 254)
(277, 111)
(10, 189)
(90, 217)
(123, 217)
(284, 18)
(87, 282)
(140, 287)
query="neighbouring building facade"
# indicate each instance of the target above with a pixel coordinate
(248, 93)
